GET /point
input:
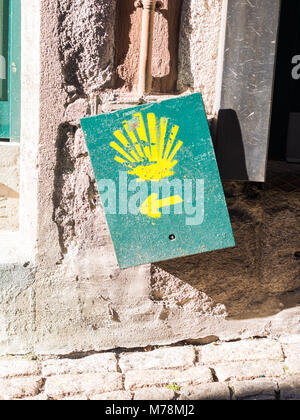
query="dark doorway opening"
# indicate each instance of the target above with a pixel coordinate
(285, 123)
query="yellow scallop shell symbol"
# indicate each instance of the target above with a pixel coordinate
(151, 157)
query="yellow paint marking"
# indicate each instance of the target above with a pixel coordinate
(171, 141)
(152, 205)
(141, 129)
(148, 158)
(119, 149)
(134, 141)
(120, 160)
(175, 151)
(163, 132)
(120, 136)
(153, 137)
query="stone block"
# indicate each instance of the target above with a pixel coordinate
(88, 384)
(143, 378)
(106, 362)
(289, 388)
(254, 390)
(154, 394)
(77, 110)
(17, 306)
(249, 350)
(292, 365)
(214, 391)
(291, 350)
(16, 388)
(18, 367)
(163, 358)
(112, 396)
(242, 371)
(80, 148)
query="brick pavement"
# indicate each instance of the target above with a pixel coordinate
(253, 369)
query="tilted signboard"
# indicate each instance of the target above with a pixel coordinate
(159, 182)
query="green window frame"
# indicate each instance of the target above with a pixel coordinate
(10, 69)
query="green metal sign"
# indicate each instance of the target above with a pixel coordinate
(159, 182)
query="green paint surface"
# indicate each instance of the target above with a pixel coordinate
(4, 19)
(10, 69)
(165, 151)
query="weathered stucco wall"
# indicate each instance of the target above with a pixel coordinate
(83, 301)
(199, 47)
(73, 297)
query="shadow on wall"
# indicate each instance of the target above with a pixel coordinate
(261, 276)
(124, 26)
(8, 192)
(165, 46)
(168, 25)
(186, 79)
(229, 147)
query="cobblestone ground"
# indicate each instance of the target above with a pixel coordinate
(252, 369)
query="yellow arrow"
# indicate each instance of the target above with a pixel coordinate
(152, 205)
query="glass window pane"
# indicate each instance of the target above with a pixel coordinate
(4, 16)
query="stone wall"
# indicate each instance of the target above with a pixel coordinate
(72, 297)
(199, 48)
(83, 301)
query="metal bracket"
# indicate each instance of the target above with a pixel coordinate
(140, 4)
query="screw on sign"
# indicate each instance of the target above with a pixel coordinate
(158, 180)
